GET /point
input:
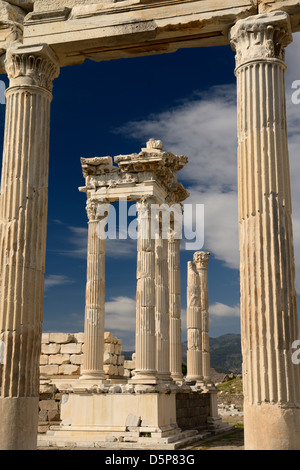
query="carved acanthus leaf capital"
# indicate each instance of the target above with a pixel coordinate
(91, 209)
(201, 259)
(32, 66)
(261, 37)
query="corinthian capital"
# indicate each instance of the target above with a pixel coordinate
(261, 37)
(32, 66)
(201, 259)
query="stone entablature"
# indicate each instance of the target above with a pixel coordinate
(151, 172)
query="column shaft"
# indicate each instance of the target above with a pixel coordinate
(175, 308)
(201, 259)
(194, 325)
(162, 308)
(269, 321)
(145, 372)
(23, 219)
(95, 300)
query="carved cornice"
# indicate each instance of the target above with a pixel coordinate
(261, 37)
(32, 66)
(97, 166)
(201, 259)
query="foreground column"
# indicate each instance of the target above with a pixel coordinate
(269, 321)
(145, 372)
(201, 259)
(23, 219)
(95, 298)
(175, 307)
(194, 325)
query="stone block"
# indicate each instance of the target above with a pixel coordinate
(47, 388)
(59, 359)
(53, 415)
(43, 416)
(48, 405)
(107, 358)
(76, 359)
(69, 369)
(120, 370)
(43, 428)
(118, 348)
(109, 369)
(44, 359)
(108, 337)
(62, 338)
(129, 365)
(79, 337)
(132, 421)
(109, 347)
(71, 348)
(51, 348)
(45, 338)
(120, 360)
(49, 370)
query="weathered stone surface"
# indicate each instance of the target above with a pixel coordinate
(76, 359)
(71, 348)
(267, 275)
(51, 348)
(47, 405)
(59, 359)
(69, 369)
(121, 31)
(61, 338)
(44, 359)
(45, 338)
(49, 370)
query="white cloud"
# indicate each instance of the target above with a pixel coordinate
(120, 313)
(223, 311)
(53, 280)
(205, 131)
(77, 239)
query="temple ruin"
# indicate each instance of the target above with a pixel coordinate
(37, 38)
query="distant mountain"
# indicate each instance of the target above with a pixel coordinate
(225, 353)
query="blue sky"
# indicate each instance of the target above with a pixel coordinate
(188, 100)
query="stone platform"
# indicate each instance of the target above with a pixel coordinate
(132, 417)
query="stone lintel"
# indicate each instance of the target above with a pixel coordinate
(111, 30)
(292, 7)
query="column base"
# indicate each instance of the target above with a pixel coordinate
(98, 376)
(271, 427)
(164, 377)
(194, 379)
(19, 423)
(144, 378)
(177, 377)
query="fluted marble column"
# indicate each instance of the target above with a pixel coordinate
(23, 220)
(201, 259)
(269, 320)
(175, 306)
(95, 298)
(145, 372)
(194, 325)
(162, 307)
